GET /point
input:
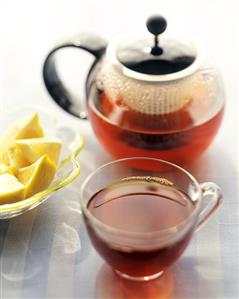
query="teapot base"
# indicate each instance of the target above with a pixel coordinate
(177, 147)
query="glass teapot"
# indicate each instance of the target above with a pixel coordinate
(152, 96)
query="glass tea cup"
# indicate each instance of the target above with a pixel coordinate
(140, 222)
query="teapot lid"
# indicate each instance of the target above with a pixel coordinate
(156, 56)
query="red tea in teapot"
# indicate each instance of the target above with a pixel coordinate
(152, 96)
(178, 136)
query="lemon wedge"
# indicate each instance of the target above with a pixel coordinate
(17, 159)
(34, 148)
(11, 190)
(37, 176)
(28, 127)
(5, 169)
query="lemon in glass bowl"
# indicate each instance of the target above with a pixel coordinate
(29, 186)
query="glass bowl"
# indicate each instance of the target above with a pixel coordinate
(68, 167)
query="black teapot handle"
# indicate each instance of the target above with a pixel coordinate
(89, 42)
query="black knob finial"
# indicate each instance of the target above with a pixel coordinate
(156, 24)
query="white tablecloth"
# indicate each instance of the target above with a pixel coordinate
(45, 253)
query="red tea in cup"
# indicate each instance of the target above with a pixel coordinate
(141, 221)
(140, 205)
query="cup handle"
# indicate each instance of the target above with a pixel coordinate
(212, 198)
(88, 42)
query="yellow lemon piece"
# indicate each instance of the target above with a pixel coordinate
(34, 148)
(5, 169)
(11, 190)
(37, 176)
(28, 127)
(17, 159)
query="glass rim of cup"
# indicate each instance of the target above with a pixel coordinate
(131, 234)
